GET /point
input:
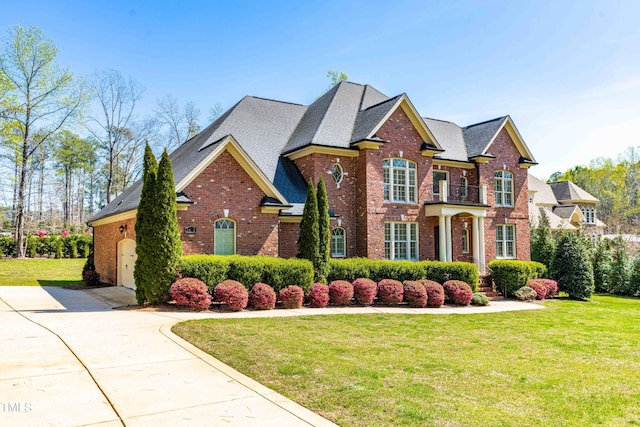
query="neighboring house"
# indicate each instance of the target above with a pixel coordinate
(400, 186)
(567, 206)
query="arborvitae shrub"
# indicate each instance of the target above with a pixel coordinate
(572, 267)
(231, 294)
(435, 293)
(190, 292)
(309, 234)
(479, 299)
(262, 297)
(415, 294)
(538, 286)
(318, 295)
(525, 293)
(340, 292)
(321, 265)
(364, 291)
(292, 296)
(390, 292)
(602, 260)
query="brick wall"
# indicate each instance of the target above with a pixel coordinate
(105, 247)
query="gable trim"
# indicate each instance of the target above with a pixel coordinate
(515, 136)
(453, 164)
(322, 149)
(416, 120)
(230, 144)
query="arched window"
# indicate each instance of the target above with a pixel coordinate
(338, 243)
(465, 241)
(399, 180)
(224, 237)
(337, 173)
(504, 188)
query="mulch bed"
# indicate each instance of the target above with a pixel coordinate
(86, 287)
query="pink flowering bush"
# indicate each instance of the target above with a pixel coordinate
(262, 297)
(65, 233)
(457, 292)
(414, 293)
(42, 233)
(292, 296)
(390, 292)
(232, 294)
(552, 287)
(190, 292)
(435, 293)
(318, 295)
(539, 287)
(364, 291)
(340, 292)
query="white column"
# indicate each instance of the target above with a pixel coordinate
(481, 241)
(442, 237)
(475, 238)
(448, 233)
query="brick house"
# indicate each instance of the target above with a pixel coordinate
(400, 186)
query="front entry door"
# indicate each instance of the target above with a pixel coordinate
(126, 262)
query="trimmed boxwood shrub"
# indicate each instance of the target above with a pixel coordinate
(364, 291)
(525, 293)
(511, 275)
(232, 294)
(348, 269)
(262, 297)
(340, 292)
(390, 292)
(435, 293)
(414, 293)
(211, 269)
(538, 286)
(318, 295)
(292, 296)
(479, 299)
(440, 272)
(457, 292)
(190, 292)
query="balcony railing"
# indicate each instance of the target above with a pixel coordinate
(465, 194)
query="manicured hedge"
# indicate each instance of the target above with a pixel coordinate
(511, 275)
(354, 268)
(277, 272)
(52, 246)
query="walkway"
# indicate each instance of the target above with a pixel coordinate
(68, 359)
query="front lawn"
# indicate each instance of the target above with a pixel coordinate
(576, 363)
(41, 272)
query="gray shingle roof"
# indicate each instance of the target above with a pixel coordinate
(266, 129)
(568, 191)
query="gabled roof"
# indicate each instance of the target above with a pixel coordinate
(543, 194)
(555, 222)
(568, 192)
(569, 212)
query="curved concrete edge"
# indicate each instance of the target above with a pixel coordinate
(288, 405)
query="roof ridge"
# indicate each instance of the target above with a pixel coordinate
(380, 103)
(275, 100)
(440, 120)
(485, 122)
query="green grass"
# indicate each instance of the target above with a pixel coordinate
(41, 272)
(574, 364)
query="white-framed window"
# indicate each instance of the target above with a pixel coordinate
(505, 241)
(504, 188)
(465, 241)
(399, 180)
(589, 215)
(337, 173)
(438, 176)
(224, 237)
(464, 187)
(338, 243)
(401, 240)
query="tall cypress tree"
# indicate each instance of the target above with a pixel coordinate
(167, 245)
(321, 265)
(144, 273)
(309, 236)
(542, 242)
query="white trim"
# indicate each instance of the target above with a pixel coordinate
(392, 239)
(515, 136)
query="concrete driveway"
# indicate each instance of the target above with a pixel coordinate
(68, 359)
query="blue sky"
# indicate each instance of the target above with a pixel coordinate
(568, 72)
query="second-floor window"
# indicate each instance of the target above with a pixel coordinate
(589, 215)
(438, 176)
(504, 188)
(399, 180)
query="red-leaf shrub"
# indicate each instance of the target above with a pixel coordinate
(262, 297)
(539, 287)
(232, 294)
(457, 292)
(292, 296)
(364, 291)
(318, 295)
(552, 287)
(340, 292)
(414, 293)
(190, 292)
(390, 291)
(435, 293)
